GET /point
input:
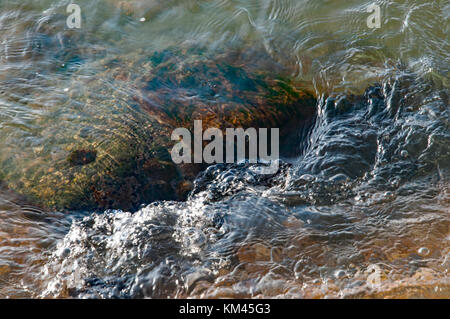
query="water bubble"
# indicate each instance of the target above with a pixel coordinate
(374, 276)
(395, 182)
(423, 251)
(65, 253)
(306, 177)
(339, 178)
(360, 197)
(388, 196)
(339, 274)
(404, 153)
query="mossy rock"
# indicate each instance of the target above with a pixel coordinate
(107, 145)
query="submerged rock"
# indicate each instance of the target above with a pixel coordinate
(107, 143)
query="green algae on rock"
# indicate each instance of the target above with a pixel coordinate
(107, 143)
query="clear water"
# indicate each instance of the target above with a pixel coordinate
(368, 188)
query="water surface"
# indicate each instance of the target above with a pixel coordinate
(360, 207)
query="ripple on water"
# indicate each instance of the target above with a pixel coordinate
(362, 211)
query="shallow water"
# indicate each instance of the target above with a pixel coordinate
(360, 207)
